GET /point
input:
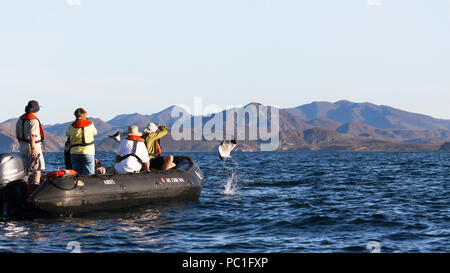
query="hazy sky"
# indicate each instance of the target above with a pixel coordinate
(116, 56)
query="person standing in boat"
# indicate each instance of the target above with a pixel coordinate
(30, 135)
(82, 149)
(132, 155)
(152, 136)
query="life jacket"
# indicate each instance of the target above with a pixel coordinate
(158, 147)
(60, 173)
(157, 144)
(81, 124)
(135, 140)
(25, 117)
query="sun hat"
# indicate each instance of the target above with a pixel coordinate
(133, 130)
(151, 128)
(32, 107)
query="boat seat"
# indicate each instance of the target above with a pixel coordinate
(183, 163)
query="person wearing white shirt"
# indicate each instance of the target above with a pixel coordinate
(132, 155)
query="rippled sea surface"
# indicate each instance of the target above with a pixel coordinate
(272, 202)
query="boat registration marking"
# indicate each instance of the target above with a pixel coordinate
(109, 182)
(172, 180)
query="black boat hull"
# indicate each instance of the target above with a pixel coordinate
(74, 195)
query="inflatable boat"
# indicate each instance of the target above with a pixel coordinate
(65, 193)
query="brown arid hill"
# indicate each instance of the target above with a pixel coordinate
(319, 139)
(106, 145)
(286, 120)
(357, 129)
(123, 121)
(312, 139)
(429, 137)
(9, 127)
(162, 117)
(170, 145)
(52, 143)
(7, 144)
(325, 123)
(377, 116)
(8, 141)
(342, 125)
(315, 139)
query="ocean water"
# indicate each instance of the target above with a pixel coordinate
(271, 202)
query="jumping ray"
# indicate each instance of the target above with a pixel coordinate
(226, 147)
(116, 136)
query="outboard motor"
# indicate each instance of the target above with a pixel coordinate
(13, 193)
(11, 169)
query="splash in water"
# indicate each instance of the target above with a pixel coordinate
(231, 184)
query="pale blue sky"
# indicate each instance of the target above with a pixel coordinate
(116, 56)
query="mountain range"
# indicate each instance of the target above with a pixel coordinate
(317, 126)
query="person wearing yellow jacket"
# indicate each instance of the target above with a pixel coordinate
(152, 135)
(81, 136)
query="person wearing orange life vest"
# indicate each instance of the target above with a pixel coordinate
(81, 136)
(132, 154)
(30, 135)
(152, 136)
